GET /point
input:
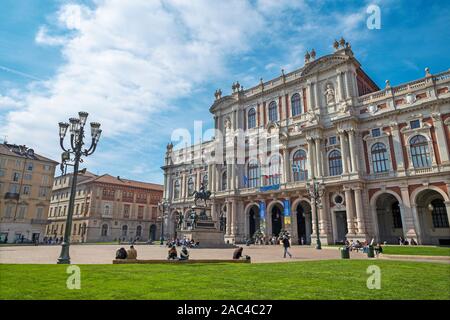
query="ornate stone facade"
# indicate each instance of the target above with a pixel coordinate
(382, 156)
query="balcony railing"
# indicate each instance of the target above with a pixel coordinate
(40, 221)
(12, 195)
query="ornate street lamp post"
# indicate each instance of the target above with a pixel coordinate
(74, 154)
(316, 191)
(163, 207)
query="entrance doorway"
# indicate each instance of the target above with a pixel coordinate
(153, 232)
(277, 216)
(253, 217)
(341, 226)
(304, 223)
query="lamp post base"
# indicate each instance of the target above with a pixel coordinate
(64, 257)
(318, 245)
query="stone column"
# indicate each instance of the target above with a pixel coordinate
(343, 152)
(360, 219)
(310, 158)
(440, 136)
(199, 179)
(229, 175)
(447, 207)
(410, 225)
(349, 210)
(376, 229)
(233, 177)
(286, 165)
(228, 226)
(316, 96)
(318, 158)
(353, 151)
(309, 94)
(346, 86)
(398, 151)
(233, 218)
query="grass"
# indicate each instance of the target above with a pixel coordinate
(417, 250)
(412, 250)
(332, 279)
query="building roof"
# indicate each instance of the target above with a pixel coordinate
(108, 179)
(22, 151)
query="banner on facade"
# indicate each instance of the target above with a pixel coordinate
(287, 212)
(268, 188)
(262, 217)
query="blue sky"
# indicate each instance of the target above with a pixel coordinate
(145, 68)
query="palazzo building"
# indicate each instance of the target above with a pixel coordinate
(380, 154)
(26, 180)
(106, 209)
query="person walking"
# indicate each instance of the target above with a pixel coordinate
(286, 245)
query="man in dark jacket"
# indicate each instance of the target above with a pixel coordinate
(286, 245)
(121, 253)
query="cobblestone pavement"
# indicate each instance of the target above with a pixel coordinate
(104, 254)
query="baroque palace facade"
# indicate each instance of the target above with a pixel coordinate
(381, 155)
(106, 209)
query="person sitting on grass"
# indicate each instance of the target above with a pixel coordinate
(172, 253)
(378, 249)
(121, 253)
(131, 253)
(184, 253)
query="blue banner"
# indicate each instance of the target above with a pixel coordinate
(287, 212)
(262, 210)
(268, 188)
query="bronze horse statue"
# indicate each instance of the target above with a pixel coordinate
(202, 194)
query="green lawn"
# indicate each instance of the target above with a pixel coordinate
(412, 250)
(335, 279)
(417, 250)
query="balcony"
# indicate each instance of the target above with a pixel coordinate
(12, 195)
(40, 221)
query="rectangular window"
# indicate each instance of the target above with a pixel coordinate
(45, 180)
(414, 124)
(16, 176)
(27, 176)
(332, 140)
(376, 132)
(43, 191)
(140, 212)
(22, 212)
(2, 172)
(9, 211)
(30, 166)
(47, 167)
(26, 190)
(14, 188)
(126, 211)
(154, 212)
(39, 212)
(3, 162)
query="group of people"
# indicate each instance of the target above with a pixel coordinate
(363, 246)
(404, 242)
(173, 254)
(183, 242)
(130, 254)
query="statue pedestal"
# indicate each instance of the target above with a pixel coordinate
(204, 230)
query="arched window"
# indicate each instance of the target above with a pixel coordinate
(335, 163)
(420, 154)
(251, 118)
(439, 214)
(273, 114)
(274, 170)
(104, 230)
(176, 190)
(106, 210)
(253, 174)
(224, 181)
(138, 231)
(124, 230)
(379, 158)
(295, 104)
(190, 186)
(299, 166)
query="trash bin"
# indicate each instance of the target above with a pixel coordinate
(371, 252)
(345, 253)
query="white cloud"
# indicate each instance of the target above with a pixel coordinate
(128, 60)
(7, 103)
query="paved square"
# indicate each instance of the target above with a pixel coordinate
(104, 254)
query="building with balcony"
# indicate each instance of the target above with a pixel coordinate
(106, 209)
(26, 180)
(381, 155)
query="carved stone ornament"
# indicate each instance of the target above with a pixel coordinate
(329, 95)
